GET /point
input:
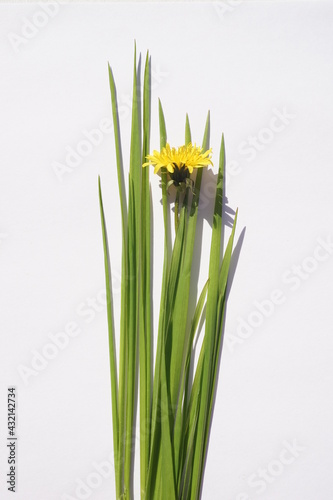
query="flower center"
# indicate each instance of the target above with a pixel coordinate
(179, 174)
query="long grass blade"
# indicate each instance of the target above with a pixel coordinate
(210, 332)
(134, 227)
(165, 271)
(223, 280)
(153, 482)
(112, 349)
(123, 351)
(167, 450)
(182, 409)
(145, 294)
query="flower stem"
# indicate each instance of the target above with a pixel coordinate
(176, 211)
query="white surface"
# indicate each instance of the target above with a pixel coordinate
(244, 62)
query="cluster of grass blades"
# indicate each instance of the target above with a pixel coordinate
(175, 407)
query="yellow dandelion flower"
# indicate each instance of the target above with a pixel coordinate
(179, 162)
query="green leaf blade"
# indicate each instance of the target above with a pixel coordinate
(210, 331)
(112, 348)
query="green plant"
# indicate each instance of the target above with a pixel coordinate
(175, 410)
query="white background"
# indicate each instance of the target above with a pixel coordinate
(245, 62)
